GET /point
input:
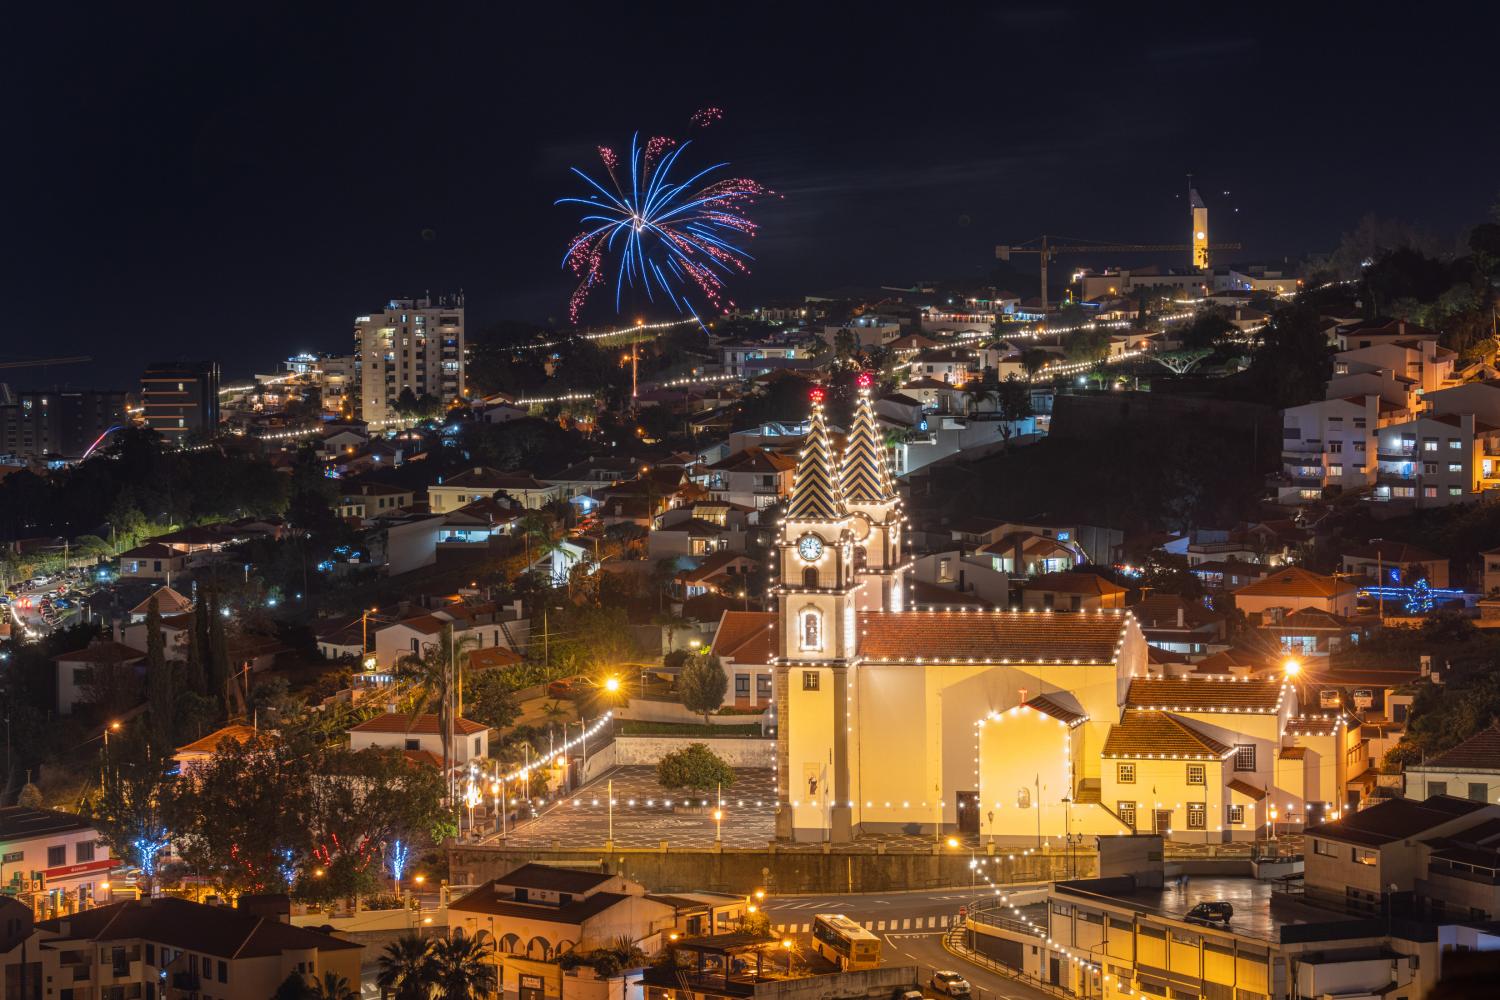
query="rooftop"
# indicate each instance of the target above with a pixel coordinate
(1158, 734)
(214, 930)
(747, 636)
(21, 823)
(425, 724)
(1205, 693)
(1479, 752)
(1294, 581)
(1020, 636)
(1251, 899)
(1394, 819)
(552, 879)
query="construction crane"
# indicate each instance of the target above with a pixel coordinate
(43, 362)
(1048, 250)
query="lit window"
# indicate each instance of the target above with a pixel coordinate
(1125, 774)
(1196, 774)
(1236, 815)
(1244, 757)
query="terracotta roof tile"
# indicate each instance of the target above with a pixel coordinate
(1051, 705)
(1022, 636)
(210, 743)
(1294, 581)
(1158, 734)
(1247, 789)
(746, 636)
(1482, 750)
(419, 725)
(1215, 693)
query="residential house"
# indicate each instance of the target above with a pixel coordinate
(745, 644)
(152, 561)
(75, 671)
(1307, 632)
(1175, 624)
(1067, 591)
(366, 501)
(477, 523)
(754, 478)
(956, 573)
(170, 947)
(201, 751)
(1490, 574)
(1376, 858)
(419, 733)
(1390, 563)
(60, 847)
(340, 441)
(1026, 553)
(1368, 333)
(487, 624)
(699, 529)
(402, 542)
(1470, 770)
(1293, 588)
(1420, 360)
(724, 572)
(481, 482)
(536, 914)
(950, 366)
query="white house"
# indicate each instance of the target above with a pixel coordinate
(74, 670)
(420, 733)
(64, 849)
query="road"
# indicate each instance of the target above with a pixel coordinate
(911, 926)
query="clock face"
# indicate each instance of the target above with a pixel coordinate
(810, 547)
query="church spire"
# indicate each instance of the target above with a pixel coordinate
(866, 479)
(816, 495)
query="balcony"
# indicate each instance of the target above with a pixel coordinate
(1395, 453)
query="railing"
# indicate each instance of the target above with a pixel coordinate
(955, 943)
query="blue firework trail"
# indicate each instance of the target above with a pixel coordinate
(674, 241)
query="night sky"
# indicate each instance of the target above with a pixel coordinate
(238, 181)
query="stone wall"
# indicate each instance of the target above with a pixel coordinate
(736, 751)
(743, 871)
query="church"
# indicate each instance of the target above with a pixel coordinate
(1018, 726)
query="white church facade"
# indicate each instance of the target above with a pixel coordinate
(1013, 725)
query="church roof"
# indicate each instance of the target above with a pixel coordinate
(1158, 734)
(866, 479)
(1210, 693)
(991, 636)
(816, 495)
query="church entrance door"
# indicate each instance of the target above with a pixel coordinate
(968, 812)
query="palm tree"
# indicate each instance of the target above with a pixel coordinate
(406, 968)
(333, 987)
(436, 673)
(463, 967)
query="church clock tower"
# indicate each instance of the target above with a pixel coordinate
(816, 639)
(874, 508)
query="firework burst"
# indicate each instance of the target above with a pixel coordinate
(666, 239)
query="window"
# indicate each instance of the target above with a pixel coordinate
(1197, 815)
(83, 851)
(57, 856)
(1429, 468)
(809, 680)
(13, 857)
(1363, 856)
(1455, 444)
(1455, 467)
(1359, 423)
(1429, 491)
(1429, 444)
(1125, 774)
(1244, 757)
(1455, 491)
(1325, 849)
(1197, 774)
(223, 972)
(1478, 791)
(742, 685)
(810, 577)
(763, 687)
(1335, 470)
(413, 744)
(1237, 815)
(1127, 813)
(477, 745)
(1335, 447)
(1359, 446)
(812, 629)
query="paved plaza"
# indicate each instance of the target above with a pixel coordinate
(643, 817)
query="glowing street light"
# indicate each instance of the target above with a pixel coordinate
(1292, 667)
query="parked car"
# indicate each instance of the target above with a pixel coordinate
(566, 687)
(1212, 912)
(949, 983)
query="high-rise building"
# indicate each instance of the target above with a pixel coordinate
(180, 397)
(38, 424)
(415, 344)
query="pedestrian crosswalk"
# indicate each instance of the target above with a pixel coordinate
(935, 922)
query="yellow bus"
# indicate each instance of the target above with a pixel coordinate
(845, 943)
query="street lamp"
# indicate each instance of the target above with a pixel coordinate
(1292, 667)
(718, 825)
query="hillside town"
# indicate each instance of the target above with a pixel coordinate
(1089, 620)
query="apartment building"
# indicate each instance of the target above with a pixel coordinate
(1419, 360)
(166, 947)
(1331, 443)
(1437, 460)
(483, 482)
(179, 398)
(754, 478)
(37, 424)
(415, 344)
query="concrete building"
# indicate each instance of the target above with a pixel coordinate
(415, 344)
(54, 860)
(754, 478)
(1438, 459)
(1332, 443)
(1470, 770)
(38, 424)
(181, 398)
(75, 670)
(482, 483)
(168, 947)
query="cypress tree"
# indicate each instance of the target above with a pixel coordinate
(161, 695)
